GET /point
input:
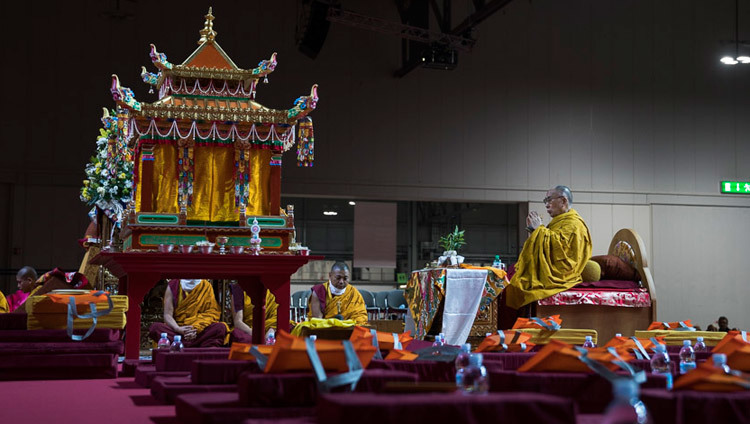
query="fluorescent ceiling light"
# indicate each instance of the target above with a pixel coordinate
(743, 59)
(330, 213)
(352, 202)
(728, 60)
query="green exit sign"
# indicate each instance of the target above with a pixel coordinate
(737, 187)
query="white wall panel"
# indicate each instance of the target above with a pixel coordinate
(702, 263)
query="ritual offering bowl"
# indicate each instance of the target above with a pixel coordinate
(206, 249)
(237, 249)
(166, 248)
(303, 251)
(222, 241)
(186, 248)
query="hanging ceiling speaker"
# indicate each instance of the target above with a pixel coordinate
(312, 26)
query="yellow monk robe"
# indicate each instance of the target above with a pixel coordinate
(4, 307)
(551, 261)
(198, 308)
(271, 311)
(350, 305)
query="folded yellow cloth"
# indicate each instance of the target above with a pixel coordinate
(675, 338)
(43, 313)
(575, 336)
(322, 323)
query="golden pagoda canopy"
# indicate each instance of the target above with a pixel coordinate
(209, 86)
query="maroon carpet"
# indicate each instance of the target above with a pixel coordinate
(110, 401)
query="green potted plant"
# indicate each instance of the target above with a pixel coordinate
(451, 243)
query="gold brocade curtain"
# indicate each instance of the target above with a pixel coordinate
(164, 188)
(213, 182)
(259, 189)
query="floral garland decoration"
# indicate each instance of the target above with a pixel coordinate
(109, 174)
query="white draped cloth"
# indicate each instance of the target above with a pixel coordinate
(463, 291)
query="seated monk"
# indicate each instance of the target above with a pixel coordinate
(337, 298)
(30, 285)
(191, 310)
(552, 258)
(242, 313)
(4, 308)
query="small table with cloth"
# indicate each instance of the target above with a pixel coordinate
(467, 295)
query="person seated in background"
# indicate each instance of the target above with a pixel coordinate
(191, 310)
(4, 308)
(552, 258)
(29, 285)
(336, 298)
(242, 314)
(722, 324)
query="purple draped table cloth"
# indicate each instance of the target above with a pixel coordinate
(371, 408)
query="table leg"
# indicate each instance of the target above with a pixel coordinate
(257, 292)
(135, 286)
(279, 286)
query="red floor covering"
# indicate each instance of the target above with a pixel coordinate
(110, 401)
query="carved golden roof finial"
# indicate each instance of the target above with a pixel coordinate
(208, 33)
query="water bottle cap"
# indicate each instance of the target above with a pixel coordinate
(497, 257)
(618, 334)
(686, 342)
(163, 335)
(719, 358)
(466, 347)
(475, 359)
(699, 338)
(177, 338)
(588, 338)
(313, 337)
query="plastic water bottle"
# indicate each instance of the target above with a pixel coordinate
(163, 342)
(687, 357)
(474, 380)
(497, 263)
(720, 361)
(176, 344)
(626, 408)
(437, 344)
(618, 334)
(271, 337)
(462, 361)
(660, 364)
(589, 343)
(700, 346)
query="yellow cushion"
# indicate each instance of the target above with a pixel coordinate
(675, 338)
(574, 336)
(592, 272)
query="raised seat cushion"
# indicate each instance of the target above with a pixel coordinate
(57, 336)
(609, 284)
(18, 348)
(13, 321)
(614, 268)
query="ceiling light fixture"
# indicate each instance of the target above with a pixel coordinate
(330, 213)
(733, 60)
(352, 202)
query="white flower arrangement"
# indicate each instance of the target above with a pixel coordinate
(109, 174)
(204, 243)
